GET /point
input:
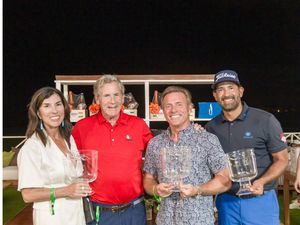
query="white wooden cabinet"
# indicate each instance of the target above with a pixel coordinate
(63, 81)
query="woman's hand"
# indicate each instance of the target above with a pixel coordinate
(78, 190)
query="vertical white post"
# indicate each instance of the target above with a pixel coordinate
(147, 97)
(65, 91)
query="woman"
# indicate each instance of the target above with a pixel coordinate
(41, 162)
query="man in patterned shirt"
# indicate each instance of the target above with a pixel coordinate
(208, 175)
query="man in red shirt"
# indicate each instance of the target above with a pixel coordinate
(120, 140)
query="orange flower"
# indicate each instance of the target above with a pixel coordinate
(154, 108)
(94, 108)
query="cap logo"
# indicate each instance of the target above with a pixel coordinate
(222, 75)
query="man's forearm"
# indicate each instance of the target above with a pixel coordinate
(148, 184)
(220, 183)
(276, 169)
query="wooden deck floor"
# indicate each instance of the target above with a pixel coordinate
(22, 218)
(25, 218)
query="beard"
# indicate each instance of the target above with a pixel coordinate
(228, 107)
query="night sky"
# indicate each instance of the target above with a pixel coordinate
(258, 39)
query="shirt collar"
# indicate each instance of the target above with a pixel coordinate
(183, 132)
(242, 116)
(123, 118)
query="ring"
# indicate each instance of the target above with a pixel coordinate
(82, 187)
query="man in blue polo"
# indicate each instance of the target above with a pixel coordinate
(240, 126)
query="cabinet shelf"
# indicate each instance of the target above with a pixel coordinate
(64, 81)
(163, 120)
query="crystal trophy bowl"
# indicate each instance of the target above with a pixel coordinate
(242, 168)
(176, 164)
(81, 167)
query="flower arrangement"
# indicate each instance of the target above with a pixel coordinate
(154, 108)
(94, 108)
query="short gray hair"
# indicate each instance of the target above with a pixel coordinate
(107, 79)
(172, 89)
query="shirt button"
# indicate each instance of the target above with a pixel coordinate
(231, 124)
(112, 139)
(112, 130)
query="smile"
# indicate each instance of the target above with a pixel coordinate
(54, 117)
(228, 100)
(175, 116)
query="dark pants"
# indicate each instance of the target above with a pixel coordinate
(134, 215)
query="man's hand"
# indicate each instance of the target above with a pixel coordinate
(163, 189)
(297, 183)
(257, 188)
(187, 190)
(198, 127)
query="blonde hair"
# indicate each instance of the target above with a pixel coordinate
(107, 79)
(172, 89)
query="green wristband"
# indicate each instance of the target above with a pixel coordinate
(97, 214)
(52, 200)
(156, 197)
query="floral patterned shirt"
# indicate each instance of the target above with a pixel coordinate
(208, 158)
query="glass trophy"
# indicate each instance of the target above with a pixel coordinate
(81, 167)
(176, 164)
(242, 168)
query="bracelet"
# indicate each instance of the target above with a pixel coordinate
(52, 200)
(156, 197)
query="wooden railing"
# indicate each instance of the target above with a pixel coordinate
(288, 176)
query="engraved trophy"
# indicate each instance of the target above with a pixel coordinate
(81, 167)
(176, 164)
(242, 168)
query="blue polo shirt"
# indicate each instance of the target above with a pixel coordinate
(253, 128)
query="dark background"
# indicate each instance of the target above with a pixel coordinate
(258, 39)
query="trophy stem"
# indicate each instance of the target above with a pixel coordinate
(244, 188)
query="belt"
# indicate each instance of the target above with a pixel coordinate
(119, 208)
(251, 195)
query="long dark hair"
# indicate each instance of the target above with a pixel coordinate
(34, 122)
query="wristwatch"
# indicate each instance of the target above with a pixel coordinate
(199, 190)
